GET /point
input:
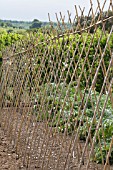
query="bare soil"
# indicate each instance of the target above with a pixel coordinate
(39, 148)
(8, 157)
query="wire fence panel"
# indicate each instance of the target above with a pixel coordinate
(57, 94)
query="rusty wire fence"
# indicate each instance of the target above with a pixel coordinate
(57, 95)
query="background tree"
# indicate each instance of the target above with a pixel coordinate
(36, 24)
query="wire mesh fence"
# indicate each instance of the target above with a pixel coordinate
(57, 94)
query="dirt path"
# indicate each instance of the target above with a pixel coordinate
(8, 158)
(47, 151)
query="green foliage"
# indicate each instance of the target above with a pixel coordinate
(35, 24)
(88, 19)
(65, 113)
(6, 39)
(109, 22)
(64, 53)
(15, 24)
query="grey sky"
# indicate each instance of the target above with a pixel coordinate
(30, 9)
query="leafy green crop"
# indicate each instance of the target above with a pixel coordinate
(59, 113)
(70, 49)
(6, 39)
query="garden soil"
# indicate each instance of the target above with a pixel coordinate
(56, 147)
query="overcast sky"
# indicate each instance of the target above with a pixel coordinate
(39, 9)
